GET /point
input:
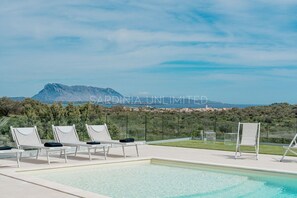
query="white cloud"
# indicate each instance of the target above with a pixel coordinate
(120, 36)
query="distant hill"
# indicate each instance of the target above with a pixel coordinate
(54, 92)
(176, 102)
(17, 98)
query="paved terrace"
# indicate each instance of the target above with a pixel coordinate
(13, 188)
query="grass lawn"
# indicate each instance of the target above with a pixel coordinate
(198, 144)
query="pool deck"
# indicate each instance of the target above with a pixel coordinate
(15, 186)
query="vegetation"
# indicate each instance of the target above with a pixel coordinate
(30, 112)
(278, 122)
(198, 144)
(264, 149)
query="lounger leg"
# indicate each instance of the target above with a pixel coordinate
(17, 158)
(21, 154)
(104, 152)
(48, 159)
(76, 148)
(137, 150)
(37, 154)
(89, 151)
(236, 152)
(257, 152)
(107, 151)
(124, 151)
(284, 154)
(95, 151)
(239, 151)
(61, 153)
(65, 155)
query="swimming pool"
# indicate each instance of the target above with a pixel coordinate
(163, 178)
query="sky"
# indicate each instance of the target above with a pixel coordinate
(242, 51)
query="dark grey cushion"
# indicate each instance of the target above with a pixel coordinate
(53, 144)
(126, 140)
(5, 148)
(93, 142)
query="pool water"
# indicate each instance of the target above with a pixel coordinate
(155, 180)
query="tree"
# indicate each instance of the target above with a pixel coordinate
(57, 112)
(8, 106)
(72, 113)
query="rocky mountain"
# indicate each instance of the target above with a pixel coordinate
(54, 92)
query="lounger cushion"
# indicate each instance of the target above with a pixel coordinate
(93, 142)
(5, 147)
(53, 144)
(127, 140)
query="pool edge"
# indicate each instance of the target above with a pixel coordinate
(17, 174)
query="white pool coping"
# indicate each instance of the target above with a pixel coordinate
(266, 163)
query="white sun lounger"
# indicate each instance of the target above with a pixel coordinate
(101, 134)
(13, 151)
(250, 137)
(292, 145)
(29, 138)
(67, 135)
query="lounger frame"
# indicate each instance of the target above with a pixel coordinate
(16, 152)
(292, 145)
(36, 145)
(109, 140)
(77, 143)
(251, 139)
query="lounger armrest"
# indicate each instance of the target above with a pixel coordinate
(11, 151)
(43, 147)
(140, 142)
(116, 142)
(32, 146)
(84, 144)
(58, 148)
